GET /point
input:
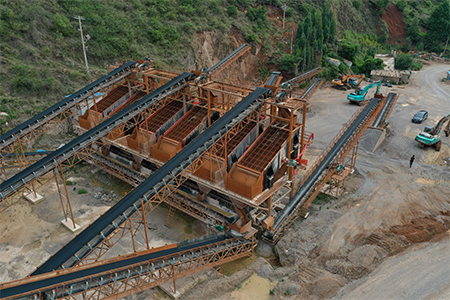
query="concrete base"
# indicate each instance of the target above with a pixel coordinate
(69, 225)
(33, 198)
(332, 191)
(186, 283)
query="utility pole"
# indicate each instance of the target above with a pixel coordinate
(445, 48)
(284, 7)
(83, 40)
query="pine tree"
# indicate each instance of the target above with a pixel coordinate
(299, 31)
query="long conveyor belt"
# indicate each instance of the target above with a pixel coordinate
(82, 244)
(80, 279)
(304, 76)
(304, 190)
(310, 88)
(386, 108)
(49, 162)
(230, 58)
(62, 106)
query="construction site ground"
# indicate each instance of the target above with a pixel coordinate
(386, 237)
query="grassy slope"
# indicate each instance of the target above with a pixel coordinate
(41, 58)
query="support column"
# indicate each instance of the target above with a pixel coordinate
(291, 179)
(69, 223)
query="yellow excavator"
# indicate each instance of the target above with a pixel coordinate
(348, 81)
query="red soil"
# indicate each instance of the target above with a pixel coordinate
(394, 20)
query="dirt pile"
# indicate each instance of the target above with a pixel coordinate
(388, 213)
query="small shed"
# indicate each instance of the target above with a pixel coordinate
(384, 75)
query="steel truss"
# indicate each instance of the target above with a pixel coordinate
(136, 221)
(41, 125)
(89, 144)
(195, 209)
(134, 278)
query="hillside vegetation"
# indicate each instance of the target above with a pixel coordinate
(41, 58)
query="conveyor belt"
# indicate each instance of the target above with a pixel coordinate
(385, 109)
(273, 77)
(310, 88)
(230, 56)
(60, 155)
(302, 194)
(90, 237)
(59, 107)
(92, 271)
(304, 75)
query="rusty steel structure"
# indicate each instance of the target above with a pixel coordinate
(185, 137)
(63, 110)
(129, 274)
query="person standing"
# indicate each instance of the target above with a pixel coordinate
(411, 161)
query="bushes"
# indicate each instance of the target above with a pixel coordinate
(288, 62)
(257, 14)
(62, 25)
(403, 61)
(348, 50)
(29, 79)
(232, 11)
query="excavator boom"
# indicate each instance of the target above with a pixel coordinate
(359, 96)
(432, 137)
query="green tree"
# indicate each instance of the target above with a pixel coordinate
(299, 31)
(289, 63)
(403, 61)
(401, 4)
(348, 50)
(62, 24)
(439, 24)
(370, 64)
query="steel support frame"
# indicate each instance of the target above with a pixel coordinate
(91, 146)
(177, 200)
(164, 195)
(141, 276)
(42, 125)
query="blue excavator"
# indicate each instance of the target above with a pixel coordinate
(430, 135)
(359, 96)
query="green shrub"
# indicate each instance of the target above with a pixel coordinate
(357, 4)
(62, 24)
(416, 65)
(403, 61)
(188, 28)
(287, 62)
(82, 191)
(232, 11)
(348, 50)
